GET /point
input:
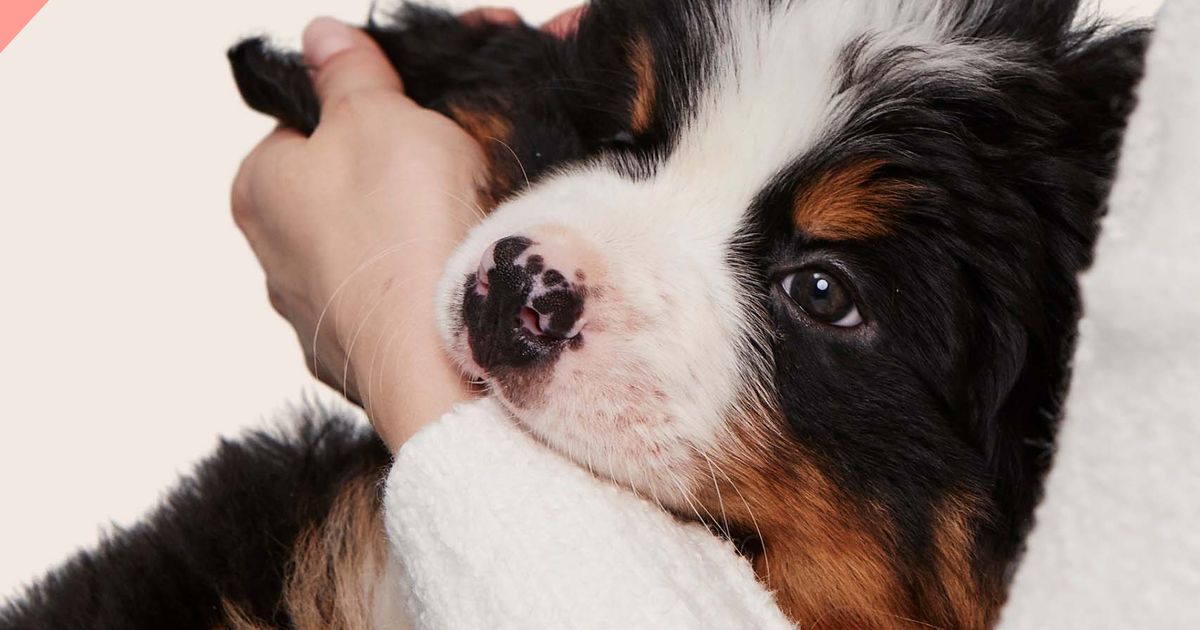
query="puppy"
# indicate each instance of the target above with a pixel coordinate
(801, 269)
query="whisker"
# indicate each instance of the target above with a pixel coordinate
(385, 345)
(341, 287)
(475, 208)
(753, 521)
(717, 488)
(629, 476)
(363, 323)
(354, 340)
(524, 173)
(691, 499)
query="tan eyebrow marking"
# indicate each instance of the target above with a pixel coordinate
(847, 203)
(641, 62)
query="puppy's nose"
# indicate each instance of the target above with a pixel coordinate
(523, 306)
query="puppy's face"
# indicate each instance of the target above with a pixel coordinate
(814, 282)
(741, 253)
(606, 314)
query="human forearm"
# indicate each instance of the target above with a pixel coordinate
(387, 350)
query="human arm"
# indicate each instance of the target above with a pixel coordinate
(351, 226)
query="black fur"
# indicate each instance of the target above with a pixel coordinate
(973, 294)
(225, 534)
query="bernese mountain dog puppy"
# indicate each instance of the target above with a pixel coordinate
(802, 269)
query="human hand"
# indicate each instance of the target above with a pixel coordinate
(353, 225)
(560, 26)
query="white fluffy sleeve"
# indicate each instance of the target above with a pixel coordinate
(492, 530)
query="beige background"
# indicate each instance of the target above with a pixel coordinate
(134, 327)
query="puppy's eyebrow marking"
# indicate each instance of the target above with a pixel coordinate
(849, 203)
(641, 62)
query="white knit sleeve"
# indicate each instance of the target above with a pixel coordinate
(490, 529)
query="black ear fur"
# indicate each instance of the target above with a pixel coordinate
(495, 80)
(275, 83)
(1103, 74)
(438, 56)
(1098, 73)
(1028, 20)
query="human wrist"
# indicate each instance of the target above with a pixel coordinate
(394, 363)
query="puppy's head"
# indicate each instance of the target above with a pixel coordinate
(814, 281)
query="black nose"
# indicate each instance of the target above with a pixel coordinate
(519, 308)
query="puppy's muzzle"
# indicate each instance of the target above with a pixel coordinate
(524, 305)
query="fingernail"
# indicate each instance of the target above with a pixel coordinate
(490, 16)
(565, 24)
(323, 38)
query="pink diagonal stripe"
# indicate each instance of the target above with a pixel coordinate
(14, 15)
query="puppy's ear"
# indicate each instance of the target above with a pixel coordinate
(1103, 75)
(275, 83)
(1022, 387)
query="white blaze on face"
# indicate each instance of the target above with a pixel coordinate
(664, 356)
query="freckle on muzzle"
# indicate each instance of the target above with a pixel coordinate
(519, 307)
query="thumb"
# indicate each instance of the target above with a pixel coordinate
(345, 60)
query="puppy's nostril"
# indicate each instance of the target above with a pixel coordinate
(544, 324)
(531, 320)
(521, 307)
(560, 313)
(481, 279)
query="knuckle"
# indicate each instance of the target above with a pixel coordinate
(265, 175)
(244, 207)
(362, 105)
(242, 193)
(239, 203)
(277, 300)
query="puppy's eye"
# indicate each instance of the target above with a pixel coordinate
(822, 297)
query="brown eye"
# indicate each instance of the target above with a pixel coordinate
(822, 297)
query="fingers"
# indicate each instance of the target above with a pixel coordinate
(345, 60)
(479, 18)
(565, 24)
(255, 174)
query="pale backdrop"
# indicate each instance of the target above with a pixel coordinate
(134, 327)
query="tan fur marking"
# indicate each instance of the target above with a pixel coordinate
(969, 604)
(335, 567)
(493, 131)
(484, 126)
(235, 619)
(823, 554)
(338, 565)
(827, 555)
(845, 204)
(827, 565)
(641, 61)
